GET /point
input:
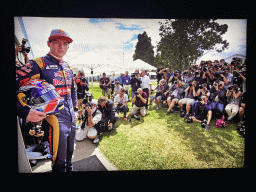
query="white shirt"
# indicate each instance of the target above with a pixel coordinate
(145, 82)
(119, 100)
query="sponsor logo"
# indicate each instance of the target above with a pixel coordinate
(62, 82)
(62, 74)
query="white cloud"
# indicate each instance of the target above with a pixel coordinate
(105, 42)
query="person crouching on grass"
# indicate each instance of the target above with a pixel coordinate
(139, 100)
(121, 103)
(202, 110)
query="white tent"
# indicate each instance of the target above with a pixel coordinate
(138, 64)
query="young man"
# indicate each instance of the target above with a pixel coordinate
(121, 103)
(58, 73)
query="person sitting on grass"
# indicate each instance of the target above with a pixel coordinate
(121, 103)
(161, 93)
(139, 100)
(191, 93)
(202, 110)
(175, 94)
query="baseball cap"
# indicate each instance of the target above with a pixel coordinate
(60, 34)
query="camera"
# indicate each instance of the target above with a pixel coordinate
(188, 120)
(203, 123)
(24, 49)
(235, 61)
(37, 129)
(133, 75)
(136, 93)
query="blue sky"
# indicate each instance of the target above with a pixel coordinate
(112, 40)
(120, 26)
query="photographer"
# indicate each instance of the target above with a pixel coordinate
(189, 78)
(112, 78)
(105, 85)
(139, 100)
(121, 103)
(218, 97)
(227, 78)
(202, 110)
(118, 88)
(146, 85)
(106, 107)
(240, 78)
(190, 94)
(36, 139)
(165, 75)
(210, 75)
(161, 93)
(24, 53)
(233, 98)
(176, 77)
(175, 94)
(91, 119)
(135, 82)
(82, 85)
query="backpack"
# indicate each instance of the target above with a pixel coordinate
(220, 123)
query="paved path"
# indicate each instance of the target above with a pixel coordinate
(83, 149)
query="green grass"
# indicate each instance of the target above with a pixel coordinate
(158, 141)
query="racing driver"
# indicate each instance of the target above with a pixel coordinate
(58, 73)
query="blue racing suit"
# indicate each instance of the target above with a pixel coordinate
(58, 73)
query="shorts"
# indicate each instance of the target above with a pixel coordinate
(186, 100)
(105, 91)
(142, 109)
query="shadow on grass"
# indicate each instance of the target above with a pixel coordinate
(207, 147)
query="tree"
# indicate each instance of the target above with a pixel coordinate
(184, 40)
(144, 49)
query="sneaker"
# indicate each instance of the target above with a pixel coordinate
(187, 116)
(157, 107)
(207, 127)
(96, 140)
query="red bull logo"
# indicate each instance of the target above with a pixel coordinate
(62, 74)
(61, 32)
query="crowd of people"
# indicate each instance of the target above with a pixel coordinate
(211, 91)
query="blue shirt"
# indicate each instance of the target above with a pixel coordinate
(126, 80)
(120, 80)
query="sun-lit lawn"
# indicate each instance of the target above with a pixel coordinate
(158, 141)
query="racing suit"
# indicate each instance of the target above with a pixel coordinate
(58, 73)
